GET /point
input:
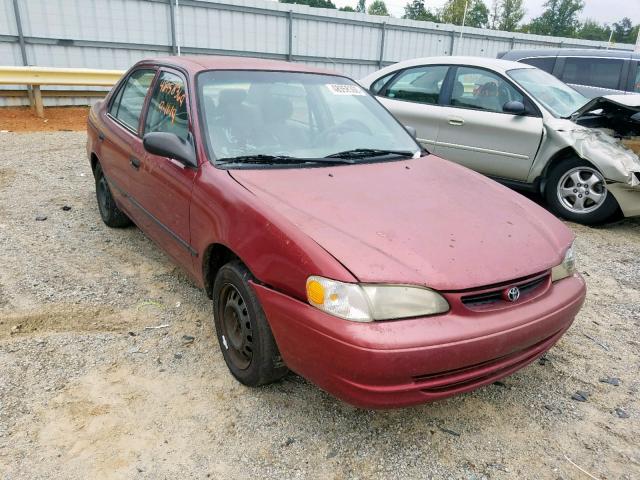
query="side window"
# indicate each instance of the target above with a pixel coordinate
(420, 84)
(543, 63)
(636, 82)
(378, 84)
(595, 72)
(482, 90)
(128, 102)
(168, 107)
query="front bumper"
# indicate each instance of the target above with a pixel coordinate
(628, 198)
(406, 362)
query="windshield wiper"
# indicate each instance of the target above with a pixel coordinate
(281, 159)
(369, 152)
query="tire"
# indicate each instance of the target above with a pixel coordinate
(577, 191)
(111, 215)
(245, 339)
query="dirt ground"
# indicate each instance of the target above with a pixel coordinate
(24, 119)
(100, 378)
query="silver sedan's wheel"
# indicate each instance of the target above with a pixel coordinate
(582, 190)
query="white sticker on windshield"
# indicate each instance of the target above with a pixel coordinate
(341, 89)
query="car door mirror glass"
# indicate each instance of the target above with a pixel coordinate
(514, 108)
(165, 144)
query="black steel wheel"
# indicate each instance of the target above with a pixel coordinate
(244, 335)
(111, 215)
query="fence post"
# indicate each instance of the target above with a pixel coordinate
(172, 13)
(382, 35)
(290, 35)
(23, 48)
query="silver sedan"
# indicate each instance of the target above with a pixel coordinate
(523, 127)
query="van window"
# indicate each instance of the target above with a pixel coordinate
(594, 72)
(543, 63)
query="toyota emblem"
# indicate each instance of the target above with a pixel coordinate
(512, 294)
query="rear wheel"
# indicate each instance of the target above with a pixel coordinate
(111, 215)
(246, 341)
(577, 191)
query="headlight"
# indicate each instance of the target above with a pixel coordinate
(369, 302)
(566, 268)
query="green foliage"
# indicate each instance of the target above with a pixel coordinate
(560, 18)
(477, 13)
(312, 3)
(510, 15)
(417, 11)
(624, 31)
(378, 7)
(347, 8)
(361, 6)
(592, 30)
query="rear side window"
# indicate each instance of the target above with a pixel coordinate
(543, 63)
(378, 84)
(168, 107)
(128, 103)
(594, 72)
(420, 84)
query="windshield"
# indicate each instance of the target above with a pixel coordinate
(557, 97)
(281, 117)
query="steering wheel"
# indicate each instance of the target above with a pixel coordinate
(351, 125)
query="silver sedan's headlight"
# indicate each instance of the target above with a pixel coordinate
(370, 302)
(567, 267)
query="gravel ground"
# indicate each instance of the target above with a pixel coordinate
(87, 391)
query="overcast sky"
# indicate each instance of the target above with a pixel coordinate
(608, 11)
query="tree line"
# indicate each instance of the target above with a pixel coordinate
(559, 18)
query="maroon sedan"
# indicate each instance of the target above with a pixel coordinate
(330, 243)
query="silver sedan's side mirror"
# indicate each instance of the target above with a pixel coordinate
(514, 108)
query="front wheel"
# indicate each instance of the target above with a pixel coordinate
(246, 341)
(577, 191)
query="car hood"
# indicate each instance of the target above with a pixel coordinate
(625, 104)
(424, 221)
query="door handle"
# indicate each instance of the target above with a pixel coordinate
(456, 121)
(135, 163)
(100, 136)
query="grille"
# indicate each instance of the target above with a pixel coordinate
(493, 296)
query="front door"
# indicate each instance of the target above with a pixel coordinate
(476, 133)
(162, 186)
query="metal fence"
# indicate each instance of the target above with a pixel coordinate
(114, 34)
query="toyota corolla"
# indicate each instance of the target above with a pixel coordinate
(330, 242)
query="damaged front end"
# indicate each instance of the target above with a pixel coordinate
(606, 132)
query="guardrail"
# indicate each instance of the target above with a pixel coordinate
(35, 77)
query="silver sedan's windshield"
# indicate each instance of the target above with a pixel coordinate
(559, 98)
(282, 117)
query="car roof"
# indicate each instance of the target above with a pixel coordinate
(490, 63)
(199, 63)
(570, 52)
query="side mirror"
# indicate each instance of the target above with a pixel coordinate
(514, 108)
(170, 145)
(412, 131)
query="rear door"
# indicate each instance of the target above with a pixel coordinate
(122, 141)
(475, 132)
(162, 186)
(413, 97)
